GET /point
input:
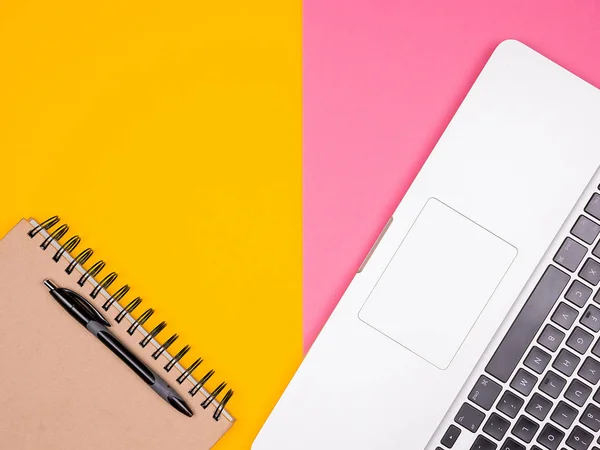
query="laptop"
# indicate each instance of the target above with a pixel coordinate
(474, 323)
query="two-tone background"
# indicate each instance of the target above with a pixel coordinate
(234, 161)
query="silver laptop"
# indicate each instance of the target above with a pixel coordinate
(474, 323)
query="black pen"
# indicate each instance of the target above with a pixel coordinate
(87, 315)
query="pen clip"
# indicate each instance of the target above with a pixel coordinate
(86, 305)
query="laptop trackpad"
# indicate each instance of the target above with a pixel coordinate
(437, 284)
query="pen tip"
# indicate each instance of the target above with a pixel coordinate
(49, 284)
(180, 405)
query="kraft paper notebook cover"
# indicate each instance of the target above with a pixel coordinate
(60, 388)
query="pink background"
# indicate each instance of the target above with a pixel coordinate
(382, 78)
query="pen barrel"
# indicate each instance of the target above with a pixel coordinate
(124, 354)
(158, 385)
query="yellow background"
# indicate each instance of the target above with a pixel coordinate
(168, 135)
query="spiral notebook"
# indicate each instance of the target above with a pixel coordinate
(60, 389)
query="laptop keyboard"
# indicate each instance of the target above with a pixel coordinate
(539, 389)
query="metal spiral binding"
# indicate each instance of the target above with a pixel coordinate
(201, 382)
(45, 225)
(104, 284)
(140, 321)
(128, 309)
(180, 354)
(189, 370)
(69, 246)
(54, 236)
(160, 350)
(116, 297)
(222, 404)
(211, 398)
(152, 335)
(92, 272)
(80, 260)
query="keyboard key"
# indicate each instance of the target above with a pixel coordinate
(552, 384)
(593, 206)
(469, 417)
(564, 316)
(451, 435)
(596, 349)
(485, 392)
(510, 404)
(496, 426)
(591, 318)
(537, 360)
(525, 428)
(578, 293)
(564, 415)
(580, 340)
(591, 417)
(566, 362)
(539, 406)
(551, 338)
(483, 443)
(511, 444)
(579, 439)
(596, 251)
(586, 229)
(527, 323)
(590, 271)
(523, 382)
(550, 437)
(597, 396)
(590, 370)
(578, 392)
(570, 254)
